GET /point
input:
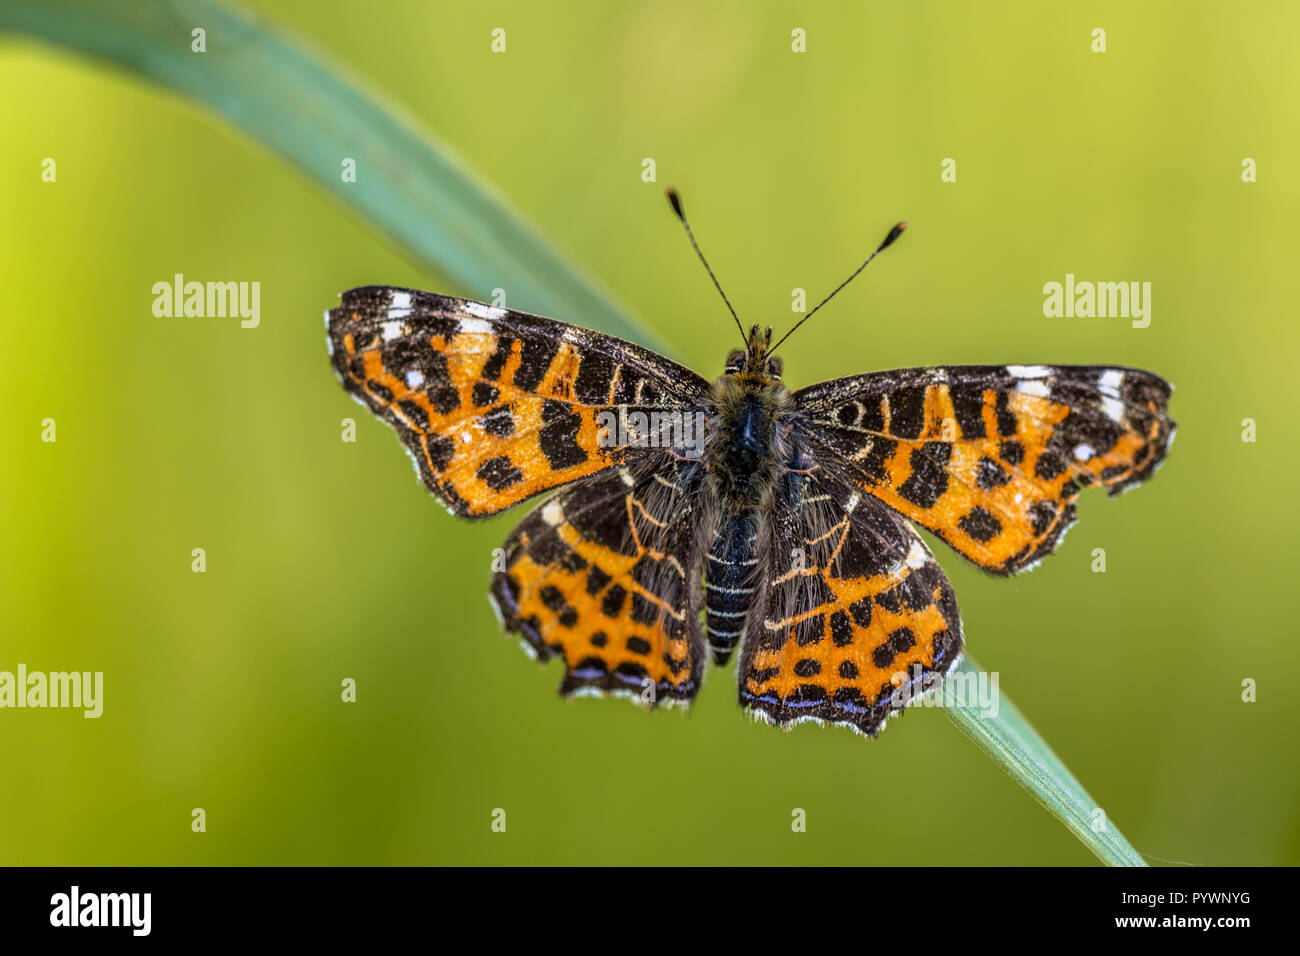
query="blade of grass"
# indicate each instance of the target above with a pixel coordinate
(410, 186)
(1015, 746)
(414, 189)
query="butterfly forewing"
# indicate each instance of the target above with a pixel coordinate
(495, 406)
(991, 458)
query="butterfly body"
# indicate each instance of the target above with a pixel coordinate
(784, 537)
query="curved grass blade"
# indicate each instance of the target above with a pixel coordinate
(434, 208)
(410, 186)
(1015, 746)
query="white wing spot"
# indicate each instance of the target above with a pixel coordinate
(553, 514)
(414, 378)
(1084, 452)
(1029, 371)
(484, 311)
(475, 327)
(401, 300)
(916, 557)
(392, 330)
(1034, 387)
(1113, 408)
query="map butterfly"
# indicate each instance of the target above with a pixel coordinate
(782, 533)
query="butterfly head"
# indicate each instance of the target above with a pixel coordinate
(754, 357)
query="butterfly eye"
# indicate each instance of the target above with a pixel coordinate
(735, 360)
(774, 367)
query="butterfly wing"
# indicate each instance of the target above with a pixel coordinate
(857, 618)
(605, 575)
(991, 458)
(495, 406)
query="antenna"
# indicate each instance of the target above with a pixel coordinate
(889, 239)
(675, 201)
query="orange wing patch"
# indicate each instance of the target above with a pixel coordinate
(992, 459)
(860, 622)
(494, 406)
(601, 576)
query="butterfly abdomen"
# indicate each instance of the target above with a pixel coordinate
(730, 581)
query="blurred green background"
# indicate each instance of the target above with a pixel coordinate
(327, 560)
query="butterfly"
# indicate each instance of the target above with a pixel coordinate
(685, 518)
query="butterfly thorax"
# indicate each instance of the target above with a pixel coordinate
(751, 408)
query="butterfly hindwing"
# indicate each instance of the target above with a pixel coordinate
(991, 458)
(605, 575)
(495, 406)
(856, 617)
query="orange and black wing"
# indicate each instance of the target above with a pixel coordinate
(991, 458)
(856, 618)
(604, 575)
(495, 406)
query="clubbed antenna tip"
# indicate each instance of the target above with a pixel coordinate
(893, 234)
(675, 201)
